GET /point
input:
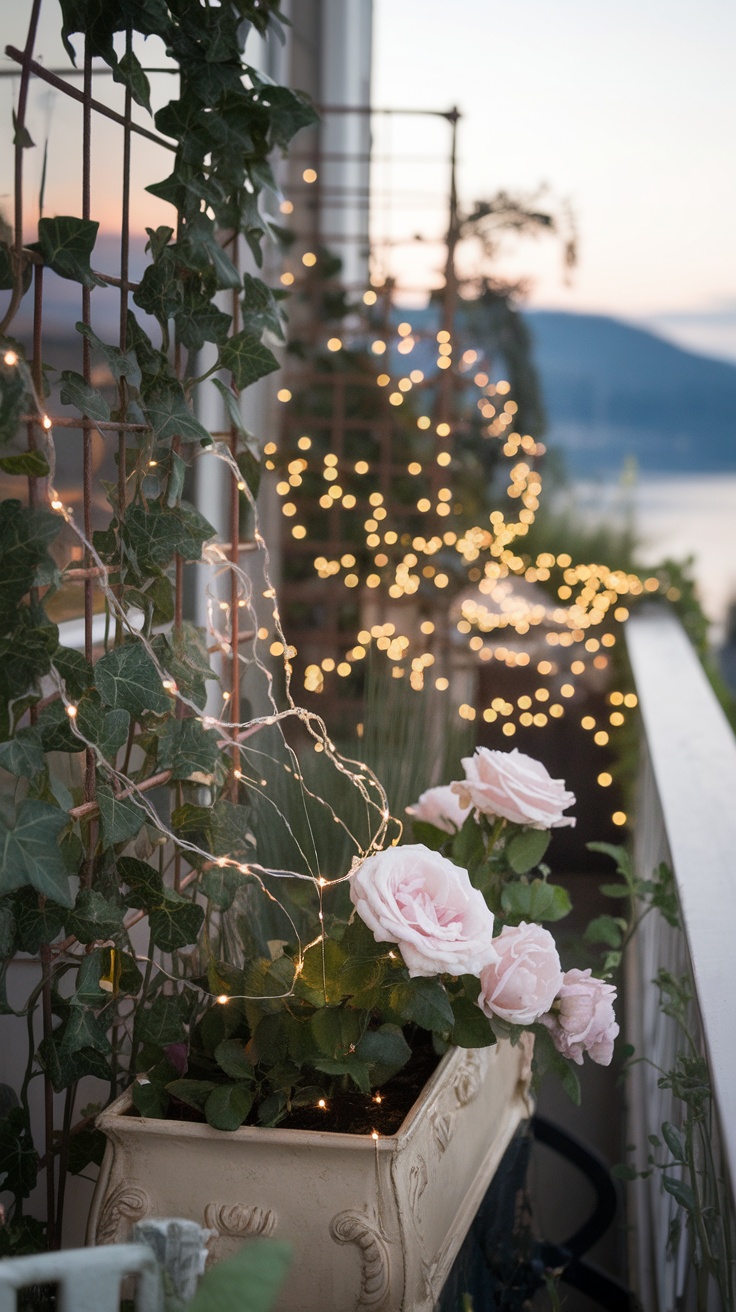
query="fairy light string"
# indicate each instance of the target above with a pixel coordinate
(235, 734)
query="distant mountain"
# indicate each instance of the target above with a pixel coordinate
(614, 392)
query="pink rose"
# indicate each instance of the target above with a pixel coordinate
(525, 979)
(514, 786)
(582, 1019)
(440, 807)
(420, 900)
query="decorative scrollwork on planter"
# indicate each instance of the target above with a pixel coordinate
(418, 1179)
(126, 1203)
(235, 1220)
(356, 1228)
(442, 1127)
(469, 1078)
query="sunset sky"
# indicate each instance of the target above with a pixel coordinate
(628, 110)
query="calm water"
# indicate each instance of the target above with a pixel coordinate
(678, 515)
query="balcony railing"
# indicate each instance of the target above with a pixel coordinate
(686, 817)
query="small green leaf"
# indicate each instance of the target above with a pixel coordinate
(33, 464)
(66, 244)
(94, 917)
(386, 1050)
(228, 1106)
(193, 1092)
(681, 1192)
(430, 835)
(260, 1268)
(471, 1029)
(75, 391)
(425, 1002)
(121, 365)
(527, 849)
(170, 416)
(606, 929)
(675, 1141)
(129, 71)
(121, 818)
(231, 1057)
(35, 923)
(160, 1023)
(537, 901)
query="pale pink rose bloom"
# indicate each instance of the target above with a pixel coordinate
(514, 786)
(523, 983)
(440, 807)
(583, 1019)
(428, 906)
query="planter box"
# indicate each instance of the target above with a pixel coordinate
(375, 1224)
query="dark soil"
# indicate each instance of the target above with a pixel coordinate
(353, 1112)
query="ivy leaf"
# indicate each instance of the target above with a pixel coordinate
(527, 849)
(25, 536)
(170, 416)
(128, 680)
(108, 730)
(232, 407)
(175, 922)
(86, 1148)
(536, 901)
(31, 463)
(23, 754)
(247, 359)
(30, 852)
(160, 1023)
(18, 1156)
(189, 750)
(121, 365)
(289, 111)
(75, 391)
(88, 992)
(205, 249)
(35, 923)
(260, 308)
(67, 1066)
(74, 670)
(82, 1030)
(66, 244)
(121, 818)
(129, 71)
(228, 1106)
(94, 917)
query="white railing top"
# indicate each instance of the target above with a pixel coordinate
(693, 753)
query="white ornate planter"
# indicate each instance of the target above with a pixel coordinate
(375, 1224)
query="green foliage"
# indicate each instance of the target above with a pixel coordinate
(248, 1282)
(66, 245)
